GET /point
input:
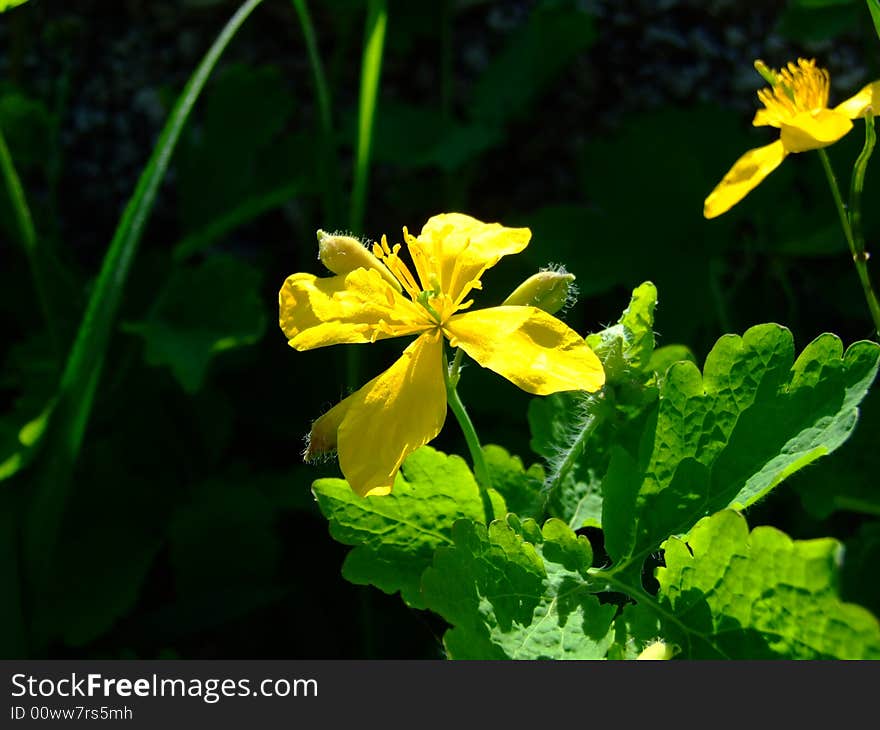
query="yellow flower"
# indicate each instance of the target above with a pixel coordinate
(797, 105)
(375, 428)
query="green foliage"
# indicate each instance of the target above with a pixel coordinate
(759, 595)
(565, 424)
(662, 448)
(395, 536)
(7, 4)
(518, 591)
(183, 485)
(521, 488)
(626, 347)
(192, 321)
(728, 436)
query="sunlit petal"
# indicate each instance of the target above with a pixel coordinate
(358, 307)
(747, 172)
(529, 347)
(323, 436)
(813, 130)
(857, 105)
(765, 118)
(392, 416)
(454, 249)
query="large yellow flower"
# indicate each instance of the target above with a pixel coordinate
(375, 428)
(797, 105)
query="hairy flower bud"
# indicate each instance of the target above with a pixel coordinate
(657, 650)
(548, 290)
(344, 254)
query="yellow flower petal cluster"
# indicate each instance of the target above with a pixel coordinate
(796, 103)
(375, 428)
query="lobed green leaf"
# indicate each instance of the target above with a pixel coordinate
(395, 536)
(759, 595)
(728, 436)
(516, 591)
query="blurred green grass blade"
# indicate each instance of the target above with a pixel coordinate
(874, 7)
(27, 234)
(82, 371)
(371, 69)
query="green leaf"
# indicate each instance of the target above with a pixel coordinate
(516, 591)
(395, 536)
(729, 436)
(635, 629)
(573, 431)
(521, 488)
(534, 56)
(663, 357)
(202, 311)
(759, 595)
(628, 345)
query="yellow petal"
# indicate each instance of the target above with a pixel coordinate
(745, 175)
(813, 130)
(453, 250)
(529, 347)
(857, 105)
(358, 307)
(765, 118)
(324, 432)
(392, 415)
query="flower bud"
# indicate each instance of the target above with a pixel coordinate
(657, 650)
(344, 254)
(548, 290)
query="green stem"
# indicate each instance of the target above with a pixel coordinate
(329, 171)
(857, 248)
(651, 602)
(481, 471)
(27, 235)
(586, 427)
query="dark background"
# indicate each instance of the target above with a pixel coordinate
(601, 125)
